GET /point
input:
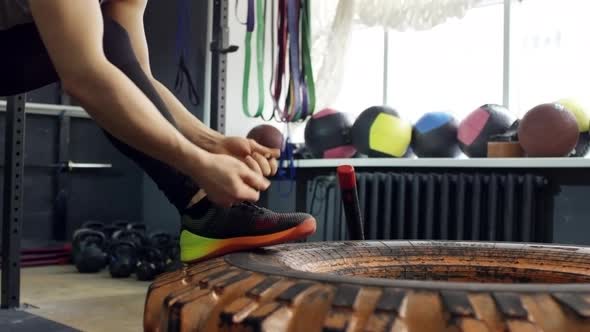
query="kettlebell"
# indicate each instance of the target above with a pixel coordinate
(138, 238)
(123, 259)
(88, 250)
(151, 263)
(168, 245)
(139, 227)
(109, 230)
(123, 224)
(93, 224)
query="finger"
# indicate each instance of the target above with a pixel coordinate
(265, 151)
(245, 148)
(255, 180)
(253, 165)
(263, 163)
(247, 193)
(274, 166)
(275, 153)
(221, 202)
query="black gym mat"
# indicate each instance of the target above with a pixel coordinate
(23, 321)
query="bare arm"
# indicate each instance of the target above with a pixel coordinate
(67, 25)
(129, 13)
(72, 33)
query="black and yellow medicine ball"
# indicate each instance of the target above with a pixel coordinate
(379, 131)
(583, 119)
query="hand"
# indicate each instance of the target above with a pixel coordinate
(227, 181)
(260, 159)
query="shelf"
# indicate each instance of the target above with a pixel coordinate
(449, 163)
(50, 109)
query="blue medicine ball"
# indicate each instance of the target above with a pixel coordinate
(435, 136)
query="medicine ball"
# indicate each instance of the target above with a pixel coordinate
(476, 129)
(268, 136)
(379, 131)
(327, 135)
(548, 130)
(435, 136)
(583, 120)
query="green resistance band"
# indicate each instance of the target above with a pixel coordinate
(260, 42)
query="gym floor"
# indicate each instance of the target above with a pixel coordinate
(87, 302)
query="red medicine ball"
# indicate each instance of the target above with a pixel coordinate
(267, 135)
(548, 130)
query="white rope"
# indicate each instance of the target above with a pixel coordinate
(330, 46)
(402, 15)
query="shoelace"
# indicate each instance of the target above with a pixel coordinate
(251, 207)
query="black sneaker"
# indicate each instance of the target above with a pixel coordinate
(244, 226)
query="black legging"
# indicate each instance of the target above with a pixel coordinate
(25, 66)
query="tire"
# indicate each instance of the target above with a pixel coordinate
(379, 286)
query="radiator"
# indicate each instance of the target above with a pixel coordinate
(438, 206)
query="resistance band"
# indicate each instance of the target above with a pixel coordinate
(300, 102)
(183, 51)
(294, 96)
(281, 60)
(307, 64)
(275, 103)
(293, 38)
(254, 16)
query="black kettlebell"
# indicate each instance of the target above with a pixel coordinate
(88, 250)
(123, 259)
(139, 227)
(93, 224)
(138, 238)
(161, 240)
(109, 230)
(169, 247)
(123, 224)
(151, 262)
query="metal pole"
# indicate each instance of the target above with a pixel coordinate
(207, 87)
(506, 61)
(219, 49)
(62, 181)
(385, 64)
(13, 198)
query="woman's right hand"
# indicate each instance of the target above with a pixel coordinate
(227, 180)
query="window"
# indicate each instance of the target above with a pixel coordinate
(459, 65)
(362, 81)
(454, 67)
(550, 52)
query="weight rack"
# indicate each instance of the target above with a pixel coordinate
(13, 198)
(12, 215)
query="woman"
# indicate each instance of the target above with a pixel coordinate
(98, 50)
